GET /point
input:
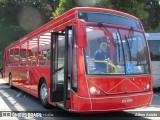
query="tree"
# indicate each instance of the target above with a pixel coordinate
(138, 8)
(17, 15)
(64, 5)
(146, 10)
(153, 21)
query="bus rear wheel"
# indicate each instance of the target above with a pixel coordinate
(44, 95)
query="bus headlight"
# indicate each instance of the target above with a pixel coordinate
(95, 91)
(92, 90)
(147, 87)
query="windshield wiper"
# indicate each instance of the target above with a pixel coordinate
(131, 30)
(128, 47)
(117, 38)
(107, 32)
(131, 34)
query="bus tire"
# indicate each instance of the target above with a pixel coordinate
(10, 82)
(43, 95)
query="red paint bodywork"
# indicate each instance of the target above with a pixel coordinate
(115, 98)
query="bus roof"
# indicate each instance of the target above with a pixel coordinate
(57, 23)
(152, 36)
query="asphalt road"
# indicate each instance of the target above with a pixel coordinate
(13, 101)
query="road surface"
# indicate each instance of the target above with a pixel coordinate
(14, 100)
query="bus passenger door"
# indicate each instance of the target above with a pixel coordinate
(61, 56)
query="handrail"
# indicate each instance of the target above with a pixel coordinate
(57, 71)
(105, 61)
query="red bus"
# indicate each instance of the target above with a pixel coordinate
(56, 63)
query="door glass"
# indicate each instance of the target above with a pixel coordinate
(60, 57)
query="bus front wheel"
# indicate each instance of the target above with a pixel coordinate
(44, 95)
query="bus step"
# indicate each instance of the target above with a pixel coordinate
(60, 104)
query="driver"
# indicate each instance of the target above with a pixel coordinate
(101, 55)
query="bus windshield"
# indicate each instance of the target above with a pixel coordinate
(115, 51)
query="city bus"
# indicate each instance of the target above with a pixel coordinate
(56, 63)
(154, 45)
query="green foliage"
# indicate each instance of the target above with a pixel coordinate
(11, 28)
(133, 7)
(64, 5)
(105, 4)
(154, 16)
(146, 10)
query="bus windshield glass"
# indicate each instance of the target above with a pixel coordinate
(115, 51)
(109, 18)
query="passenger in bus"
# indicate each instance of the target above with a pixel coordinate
(100, 56)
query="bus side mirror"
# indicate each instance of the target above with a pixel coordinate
(81, 33)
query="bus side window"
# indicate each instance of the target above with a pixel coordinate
(48, 55)
(29, 60)
(33, 60)
(40, 59)
(10, 59)
(154, 49)
(23, 57)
